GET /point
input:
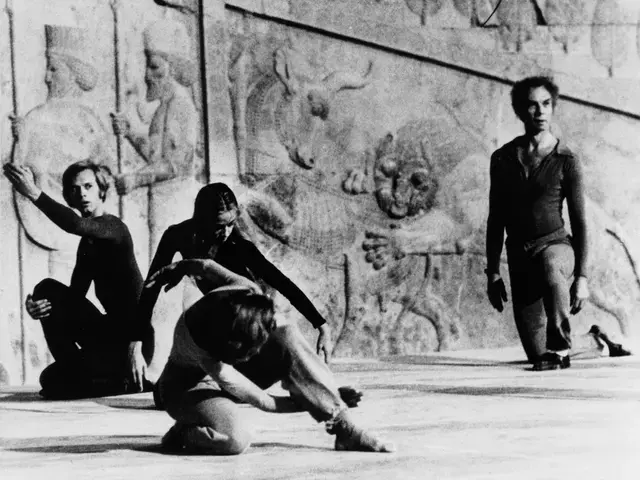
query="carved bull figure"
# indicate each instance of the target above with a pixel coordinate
(288, 157)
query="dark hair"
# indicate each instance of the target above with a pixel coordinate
(521, 89)
(241, 324)
(213, 199)
(102, 173)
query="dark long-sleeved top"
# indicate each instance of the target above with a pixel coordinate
(238, 254)
(530, 208)
(106, 257)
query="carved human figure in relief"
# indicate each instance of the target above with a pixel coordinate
(60, 131)
(168, 144)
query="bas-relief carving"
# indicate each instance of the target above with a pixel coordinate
(62, 130)
(608, 41)
(297, 175)
(168, 143)
(424, 8)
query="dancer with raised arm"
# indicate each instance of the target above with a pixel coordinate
(95, 354)
(227, 348)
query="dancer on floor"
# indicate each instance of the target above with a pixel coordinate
(95, 354)
(212, 233)
(226, 349)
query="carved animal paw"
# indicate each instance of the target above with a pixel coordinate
(357, 182)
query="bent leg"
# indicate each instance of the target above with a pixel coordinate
(73, 321)
(207, 422)
(528, 308)
(557, 268)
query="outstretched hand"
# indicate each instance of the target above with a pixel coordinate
(168, 276)
(23, 180)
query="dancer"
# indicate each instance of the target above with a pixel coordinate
(95, 354)
(211, 233)
(531, 177)
(227, 348)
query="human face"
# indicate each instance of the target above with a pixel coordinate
(223, 225)
(59, 78)
(157, 76)
(215, 231)
(85, 194)
(537, 117)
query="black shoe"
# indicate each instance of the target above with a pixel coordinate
(350, 396)
(617, 350)
(551, 361)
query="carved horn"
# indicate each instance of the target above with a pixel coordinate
(337, 81)
(282, 67)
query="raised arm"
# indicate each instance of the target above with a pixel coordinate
(23, 181)
(218, 275)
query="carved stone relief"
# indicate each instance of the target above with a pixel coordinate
(63, 130)
(168, 143)
(289, 160)
(608, 39)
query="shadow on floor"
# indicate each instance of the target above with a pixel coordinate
(134, 402)
(157, 448)
(80, 444)
(26, 396)
(441, 360)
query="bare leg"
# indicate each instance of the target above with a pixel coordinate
(207, 423)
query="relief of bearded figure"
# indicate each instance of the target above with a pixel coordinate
(60, 131)
(168, 144)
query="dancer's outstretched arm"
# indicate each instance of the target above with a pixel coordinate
(220, 276)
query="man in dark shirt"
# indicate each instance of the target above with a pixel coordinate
(531, 176)
(95, 354)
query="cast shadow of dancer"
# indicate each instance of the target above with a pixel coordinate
(82, 444)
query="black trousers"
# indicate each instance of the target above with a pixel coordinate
(90, 360)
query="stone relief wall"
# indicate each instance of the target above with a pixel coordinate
(357, 135)
(383, 187)
(116, 82)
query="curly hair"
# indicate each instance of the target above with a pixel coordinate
(102, 173)
(521, 89)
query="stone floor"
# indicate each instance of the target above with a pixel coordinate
(478, 415)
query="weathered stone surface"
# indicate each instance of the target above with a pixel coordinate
(318, 134)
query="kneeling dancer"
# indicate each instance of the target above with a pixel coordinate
(228, 349)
